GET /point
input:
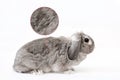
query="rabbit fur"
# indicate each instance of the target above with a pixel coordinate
(53, 54)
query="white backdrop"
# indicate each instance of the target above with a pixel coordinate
(98, 18)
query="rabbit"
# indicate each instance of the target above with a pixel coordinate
(53, 54)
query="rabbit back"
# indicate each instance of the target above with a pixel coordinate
(42, 53)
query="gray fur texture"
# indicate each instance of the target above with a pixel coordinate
(53, 54)
(44, 20)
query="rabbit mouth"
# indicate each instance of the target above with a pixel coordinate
(87, 49)
(92, 48)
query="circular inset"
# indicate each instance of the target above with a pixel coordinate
(44, 20)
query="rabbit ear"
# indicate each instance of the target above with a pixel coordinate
(74, 50)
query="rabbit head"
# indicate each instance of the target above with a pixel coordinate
(81, 43)
(87, 44)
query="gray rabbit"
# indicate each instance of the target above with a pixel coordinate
(53, 54)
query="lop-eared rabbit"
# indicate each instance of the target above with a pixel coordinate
(53, 54)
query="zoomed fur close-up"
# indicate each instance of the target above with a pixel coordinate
(53, 54)
(44, 20)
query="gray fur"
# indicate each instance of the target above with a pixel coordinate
(44, 20)
(50, 54)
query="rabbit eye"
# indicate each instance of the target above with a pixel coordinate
(86, 40)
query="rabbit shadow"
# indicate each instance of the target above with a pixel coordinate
(83, 70)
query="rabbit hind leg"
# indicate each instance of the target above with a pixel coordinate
(22, 69)
(47, 70)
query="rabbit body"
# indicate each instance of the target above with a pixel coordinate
(47, 54)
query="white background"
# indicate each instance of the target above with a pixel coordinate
(98, 18)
